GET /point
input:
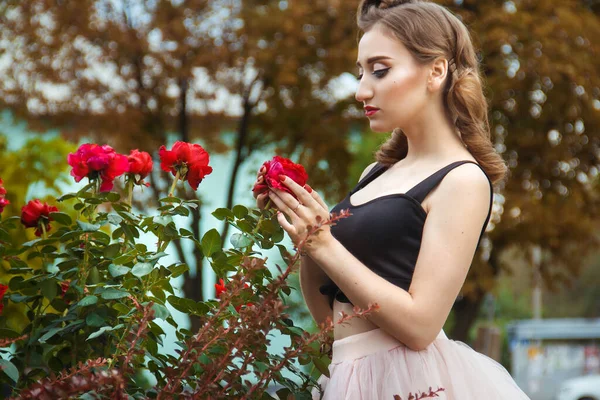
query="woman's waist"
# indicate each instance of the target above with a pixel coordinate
(352, 326)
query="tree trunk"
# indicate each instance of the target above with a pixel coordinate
(466, 310)
(240, 157)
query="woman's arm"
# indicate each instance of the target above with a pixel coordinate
(458, 210)
(311, 278)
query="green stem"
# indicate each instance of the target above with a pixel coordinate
(44, 233)
(255, 230)
(177, 176)
(130, 192)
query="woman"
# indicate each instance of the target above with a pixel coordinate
(418, 214)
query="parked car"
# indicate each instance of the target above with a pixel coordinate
(580, 388)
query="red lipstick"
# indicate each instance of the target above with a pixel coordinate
(370, 110)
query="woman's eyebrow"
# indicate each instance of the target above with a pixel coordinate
(373, 59)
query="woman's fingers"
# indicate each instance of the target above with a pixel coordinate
(316, 196)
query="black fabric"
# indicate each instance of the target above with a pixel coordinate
(385, 233)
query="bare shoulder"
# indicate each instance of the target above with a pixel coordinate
(367, 170)
(467, 184)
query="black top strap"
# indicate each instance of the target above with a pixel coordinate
(422, 189)
(375, 171)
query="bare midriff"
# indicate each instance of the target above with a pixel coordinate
(352, 326)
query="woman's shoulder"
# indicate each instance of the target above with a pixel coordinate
(367, 170)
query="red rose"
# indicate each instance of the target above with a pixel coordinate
(190, 160)
(3, 201)
(64, 287)
(140, 163)
(220, 288)
(281, 166)
(93, 161)
(36, 213)
(3, 289)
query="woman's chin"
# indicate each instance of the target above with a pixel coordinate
(379, 127)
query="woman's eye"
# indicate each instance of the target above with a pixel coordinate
(380, 73)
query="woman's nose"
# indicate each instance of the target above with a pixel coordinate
(363, 92)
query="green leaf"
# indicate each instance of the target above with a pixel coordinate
(160, 311)
(61, 218)
(94, 320)
(88, 301)
(49, 289)
(239, 240)
(170, 200)
(9, 369)
(240, 211)
(222, 214)
(114, 219)
(321, 366)
(113, 294)
(49, 334)
(87, 227)
(211, 242)
(141, 269)
(181, 210)
(178, 270)
(101, 331)
(112, 250)
(117, 270)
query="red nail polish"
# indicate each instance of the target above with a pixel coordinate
(282, 177)
(308, 188)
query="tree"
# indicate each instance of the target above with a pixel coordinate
(273, 59)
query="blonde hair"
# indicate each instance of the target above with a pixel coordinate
(429, 31)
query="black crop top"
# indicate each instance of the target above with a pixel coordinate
(385, 233)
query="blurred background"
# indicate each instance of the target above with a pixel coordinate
(251, 79)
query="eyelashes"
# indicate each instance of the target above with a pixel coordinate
(380, 73)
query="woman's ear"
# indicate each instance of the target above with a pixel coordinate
(437, 74)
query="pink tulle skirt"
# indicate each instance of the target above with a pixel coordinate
(374, 365)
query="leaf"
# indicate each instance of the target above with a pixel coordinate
(118, 270)
(87, 227)
(240, 211)
(99, 332)
(88, 301)
(94, 320)
(178, 270)
(160, 311)
(9, 369)
(222, 214)
(112, 250)
(211, 242)
(141, 269)
(239, 240)
(321, 366)
(113, 294)
(49, 334)
(61, 218)
(49, 289)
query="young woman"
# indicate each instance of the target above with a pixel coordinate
(418, 214)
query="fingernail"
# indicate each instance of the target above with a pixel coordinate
(282, 177)
(308, 188)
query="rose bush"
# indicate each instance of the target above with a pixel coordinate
(94, 304)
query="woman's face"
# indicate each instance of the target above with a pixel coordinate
(392, 86)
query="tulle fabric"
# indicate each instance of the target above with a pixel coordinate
(374, 365)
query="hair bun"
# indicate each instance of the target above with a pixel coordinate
(366, 5)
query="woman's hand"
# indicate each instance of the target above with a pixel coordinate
(261, 199)
(304, 213)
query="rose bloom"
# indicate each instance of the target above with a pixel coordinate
(3, 201)
(190, 160)
(36, 213)
(3, 289)
(140, 163)
(220, 288)
(93, 161)
(281, 166)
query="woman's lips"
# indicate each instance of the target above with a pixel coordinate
(371, 111)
